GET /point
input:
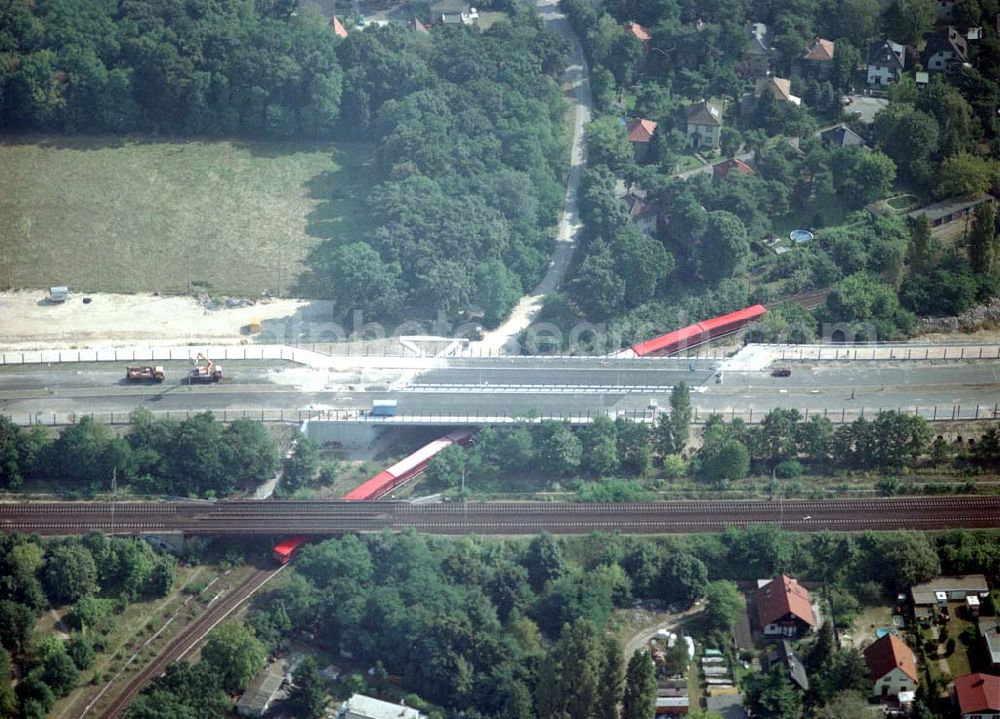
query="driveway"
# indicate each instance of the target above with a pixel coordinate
(504, 338)
(676, 621)
(865, 106)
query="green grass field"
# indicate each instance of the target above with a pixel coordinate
(128, 214)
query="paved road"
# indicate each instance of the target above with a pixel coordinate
(497, 387)
(578, 79)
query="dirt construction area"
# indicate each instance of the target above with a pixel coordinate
(29, 321)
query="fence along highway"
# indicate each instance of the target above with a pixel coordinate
(573, 387)
(336, 517)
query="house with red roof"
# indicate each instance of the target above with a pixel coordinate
(891, 667)
(733, 164)
(338, 27)
(978, 696)
(784, 608)
(638, 32)
(640, 135)
(817, 60)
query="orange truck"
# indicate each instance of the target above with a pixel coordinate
(209, 372)
(144, 374)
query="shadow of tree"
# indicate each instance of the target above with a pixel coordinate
(342, 214)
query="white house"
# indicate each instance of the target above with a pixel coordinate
(891, 667)
(885, 62)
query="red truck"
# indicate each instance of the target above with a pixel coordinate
(144, 374)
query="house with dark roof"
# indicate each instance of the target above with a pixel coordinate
(758, 53)
(946, 50)
(817, 60)
(784, 608)
(940, 213)
(638, 32)
(733, 164)
(978, 696)
(640, 136)
(886, 60)
(704, 125)
(783, 656)
(892, 667)
(842, 136)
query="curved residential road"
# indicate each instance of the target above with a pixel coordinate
(504, 338)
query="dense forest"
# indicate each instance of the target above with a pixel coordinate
(97, 576)
(517, 629)
(468, 127)
(784, 443)
(706, 253)
(195, 457)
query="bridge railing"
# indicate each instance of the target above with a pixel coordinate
(932, 413)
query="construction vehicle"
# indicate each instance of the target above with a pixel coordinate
(144, 374)
(203, 374)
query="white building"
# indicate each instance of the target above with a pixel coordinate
(362, 707)
(891, 666)
(885, 62)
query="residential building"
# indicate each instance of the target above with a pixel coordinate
(640, 136)
(784, 608)
(338, 27)
(952, 588)
(257, 699)
(419, 26)
(978, 696)
(817, 60)
(783, 656)
(891, 667)
(638, 32)
(946, 50)
(733, 164)
(778, 87)
(361, 707)
(704, 125)
(989, 630)
(454, 13)
(758, 53)
(842, 136)
(886, 60)
(641, 213)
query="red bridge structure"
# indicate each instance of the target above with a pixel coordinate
(695, 335)
(408, 468)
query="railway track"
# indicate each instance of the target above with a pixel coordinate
(187, 640)
(336, 517)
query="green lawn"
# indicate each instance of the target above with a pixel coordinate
(830, 207)
(127, 214)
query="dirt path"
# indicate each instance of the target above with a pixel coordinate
(641, 638)
(505, 336)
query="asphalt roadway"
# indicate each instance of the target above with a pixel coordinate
(508, 386)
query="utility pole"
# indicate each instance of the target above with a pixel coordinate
(114, 495)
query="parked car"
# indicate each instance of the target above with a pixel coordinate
(781, 372)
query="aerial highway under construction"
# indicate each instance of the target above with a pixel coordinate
(272, 518)
(515, 386)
